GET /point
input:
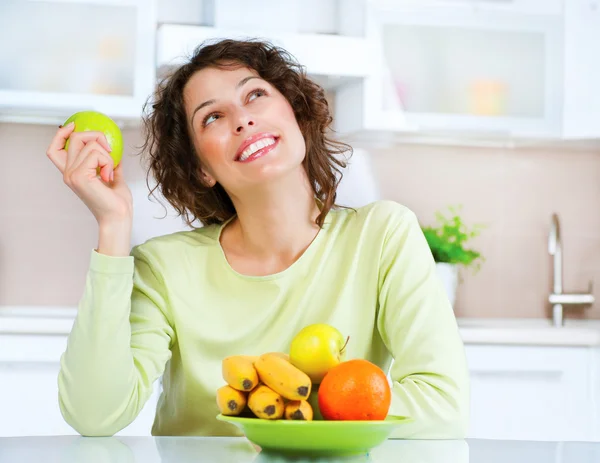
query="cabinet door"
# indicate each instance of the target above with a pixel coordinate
(29, 366)
(531, 393)
(71, 55)
(29, 400)
(478, 72)
(582, 69)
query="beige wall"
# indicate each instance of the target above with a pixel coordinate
(514, 192)
(46, 234)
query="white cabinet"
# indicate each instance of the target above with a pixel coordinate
(331, 60)
(325, 37)
(470, 69)
(520, 69)
(29, 366)
(534, 392)
(71, 55)
(509, 6)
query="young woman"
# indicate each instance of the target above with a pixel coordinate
(237, 138)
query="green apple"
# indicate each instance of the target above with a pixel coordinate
(313, 400)
(316, 349)
(86, 121)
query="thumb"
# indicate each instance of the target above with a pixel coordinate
(118, 182)
(119, 178)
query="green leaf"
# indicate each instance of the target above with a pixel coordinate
(448, 238)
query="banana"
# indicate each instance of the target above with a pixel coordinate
(230, 401)
(266, 403)
(298, 410)
(278, 354)
(283, 377)
(281, 355)
(239, 372)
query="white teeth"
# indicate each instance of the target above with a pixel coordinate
(254, 147)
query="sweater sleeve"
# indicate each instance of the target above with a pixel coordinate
(118, 346)
(416, 322)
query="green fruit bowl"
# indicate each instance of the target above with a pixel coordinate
(332, 438)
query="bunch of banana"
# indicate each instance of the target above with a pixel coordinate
(269, 385)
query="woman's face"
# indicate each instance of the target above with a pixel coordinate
(244, 130)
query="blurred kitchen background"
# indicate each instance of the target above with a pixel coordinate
(490, 105)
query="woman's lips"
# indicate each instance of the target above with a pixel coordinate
(274, 142)
(252, 140)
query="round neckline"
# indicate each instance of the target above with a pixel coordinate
(273, 276)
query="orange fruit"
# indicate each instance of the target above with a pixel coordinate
(355, 390)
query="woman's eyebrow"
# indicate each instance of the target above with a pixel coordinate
(213, 101)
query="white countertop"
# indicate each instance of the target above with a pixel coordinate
(58, 321)
(538, 332)
(74, 449)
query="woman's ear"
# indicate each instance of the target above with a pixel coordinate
(207, 179)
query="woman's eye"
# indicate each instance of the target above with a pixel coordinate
(256, 93)
(210, 118)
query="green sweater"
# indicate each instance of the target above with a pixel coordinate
(176, 308)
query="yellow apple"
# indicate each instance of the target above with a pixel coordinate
(94, 121)
(316, 349)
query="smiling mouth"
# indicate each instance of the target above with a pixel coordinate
(258, 149)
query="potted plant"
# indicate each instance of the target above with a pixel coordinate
(447, 240)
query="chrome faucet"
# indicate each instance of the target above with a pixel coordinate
(557, 298)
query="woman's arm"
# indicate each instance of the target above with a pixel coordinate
(418, 326)
(118, 346)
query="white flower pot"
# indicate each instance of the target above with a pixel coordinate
(448, 274)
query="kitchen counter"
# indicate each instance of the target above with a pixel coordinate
(57, 322)
(75, 449)
(537, 332)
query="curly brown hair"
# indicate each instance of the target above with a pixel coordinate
(170, 151)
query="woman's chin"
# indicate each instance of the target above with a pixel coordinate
(271, 175)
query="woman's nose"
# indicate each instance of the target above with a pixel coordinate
(244, 120)
(249, 122)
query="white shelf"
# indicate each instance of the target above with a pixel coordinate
(332, 59)
(537, 7)
(55, 108)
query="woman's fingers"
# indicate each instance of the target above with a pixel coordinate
(89, 163)
(62, 158)
(86, 171)
(56, 150)
(78, 140)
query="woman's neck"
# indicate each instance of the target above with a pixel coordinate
(273, 226)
